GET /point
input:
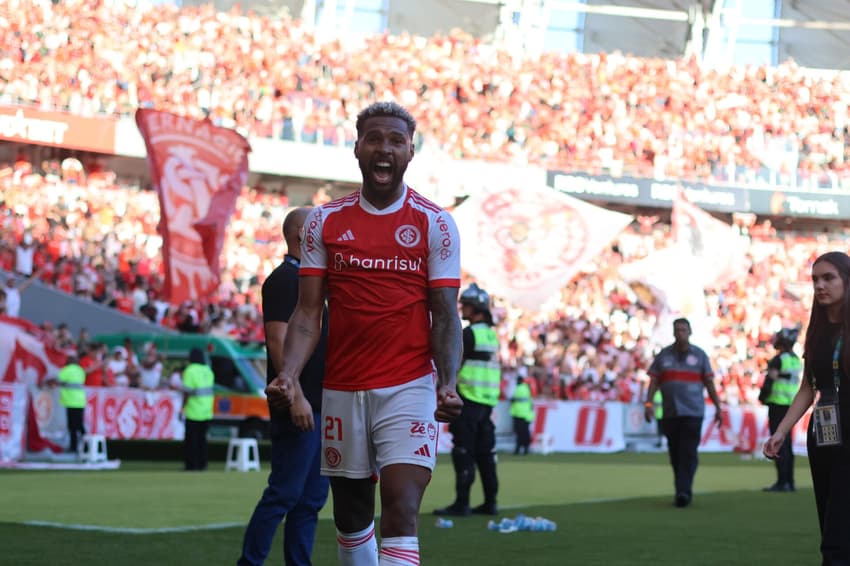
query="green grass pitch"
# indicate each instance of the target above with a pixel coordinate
(610, 510)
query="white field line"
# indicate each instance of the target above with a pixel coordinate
(217, 526)
(132, 531)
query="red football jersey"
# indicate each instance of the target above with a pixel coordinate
(379, 265)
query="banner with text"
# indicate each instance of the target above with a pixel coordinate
(13, 406)
(58, 129)
(582, 426)
(776, 201)
(115, 412)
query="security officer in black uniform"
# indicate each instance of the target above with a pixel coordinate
(780, 386)
(474, 434)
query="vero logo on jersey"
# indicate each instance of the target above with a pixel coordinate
(347, 236)
(343, 262)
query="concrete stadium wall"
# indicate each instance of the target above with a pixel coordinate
(40, 303)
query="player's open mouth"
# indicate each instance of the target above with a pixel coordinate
(382, 172)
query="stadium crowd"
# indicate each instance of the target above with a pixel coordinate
(473, 99)
(78, 228)
(97, 239)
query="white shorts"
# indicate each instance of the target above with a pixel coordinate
(363, 431)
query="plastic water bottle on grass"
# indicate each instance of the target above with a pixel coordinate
(444, 523)
(542, 524)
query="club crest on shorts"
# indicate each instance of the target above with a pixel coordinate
(333, 457)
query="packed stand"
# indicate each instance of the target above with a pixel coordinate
(95, 238)
(473, 99)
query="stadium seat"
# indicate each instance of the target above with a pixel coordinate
(93, 448)
(243, 455)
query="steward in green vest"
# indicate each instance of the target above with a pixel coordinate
(780, 385)
(198, 400)
(72, 378)
(522, 412)
(478, 384)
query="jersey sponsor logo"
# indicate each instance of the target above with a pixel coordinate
(395, 263)
(423, 429)
(311, 228)
(408, 235)
(333, 457)
(347, 236)
(423, 450)
(445, 238)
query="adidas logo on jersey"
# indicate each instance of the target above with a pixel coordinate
(347, 236)
(424, 450)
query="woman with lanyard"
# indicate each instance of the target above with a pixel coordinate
(827, 361)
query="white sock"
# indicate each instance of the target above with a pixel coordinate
(400, 551)
(357, 549)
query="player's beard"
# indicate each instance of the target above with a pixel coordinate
(373, 186)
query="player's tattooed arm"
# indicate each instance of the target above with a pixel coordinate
(446, 337)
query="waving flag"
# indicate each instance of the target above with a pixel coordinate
(199, 170)
(526, 244)
(24, 355)
(718, 248)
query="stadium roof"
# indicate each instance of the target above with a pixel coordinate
(815, 33)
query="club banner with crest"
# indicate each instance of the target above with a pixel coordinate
(525, 244)
(199, 170)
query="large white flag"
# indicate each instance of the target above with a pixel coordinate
(718, 248)
(526, 244)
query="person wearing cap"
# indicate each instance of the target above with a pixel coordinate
(780, 385)
(198, 381)
(474, 434)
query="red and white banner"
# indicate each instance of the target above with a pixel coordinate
(13, 406)
(525, 244)
(199, 170)
(582, 426)
(24, 356)
(116, 413)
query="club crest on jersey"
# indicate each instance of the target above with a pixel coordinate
(407, 235)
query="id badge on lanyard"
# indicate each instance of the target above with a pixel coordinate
(827, 417)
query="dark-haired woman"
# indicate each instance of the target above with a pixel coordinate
(827, 361)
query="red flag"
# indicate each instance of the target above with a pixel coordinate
(25, 355)
(198, 170)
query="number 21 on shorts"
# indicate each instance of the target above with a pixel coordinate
(333, 428)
